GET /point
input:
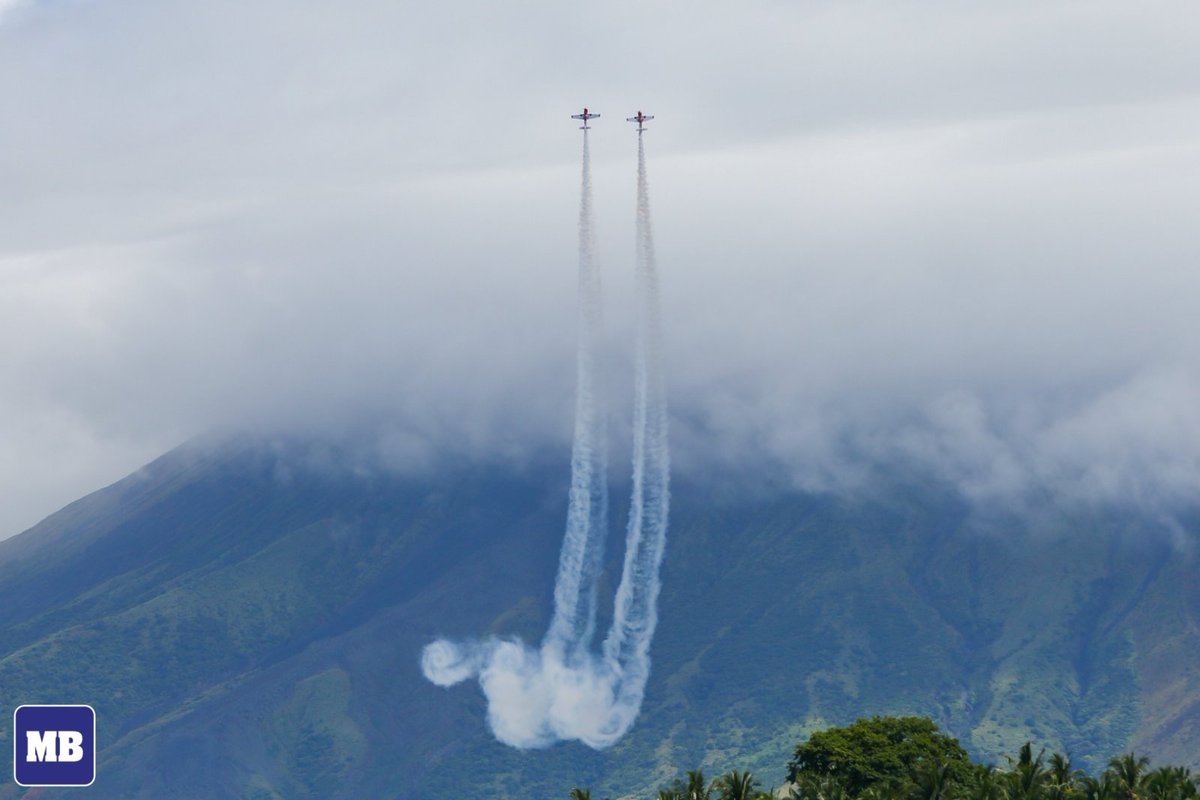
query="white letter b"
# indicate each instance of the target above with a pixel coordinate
(69, 748)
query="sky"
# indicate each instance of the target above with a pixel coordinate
(961, 237)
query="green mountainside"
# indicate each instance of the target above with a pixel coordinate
(247, 622)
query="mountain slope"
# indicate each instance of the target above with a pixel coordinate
(247, 621)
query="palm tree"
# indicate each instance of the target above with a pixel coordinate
(986, 785)
(932, 781)
(1103, 789)
(1130, 771)
(736, 785)
(1160, 785)
(810, 787)
(1060, 777)
(696, 788)
(1188, 785)
(1170, 783)
(1027, 774)
(581, 794)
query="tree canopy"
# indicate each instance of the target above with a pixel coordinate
(880, 751)
(908, 758)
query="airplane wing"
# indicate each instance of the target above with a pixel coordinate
(577, 116)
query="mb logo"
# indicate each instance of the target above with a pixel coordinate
(54, 745)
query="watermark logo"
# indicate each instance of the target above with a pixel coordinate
(54, 745)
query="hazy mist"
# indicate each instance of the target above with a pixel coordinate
(887, 234)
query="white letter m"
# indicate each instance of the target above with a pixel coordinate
(40, 746)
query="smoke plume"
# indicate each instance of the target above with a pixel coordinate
(636, 612)
(574, 619)
(564, 690)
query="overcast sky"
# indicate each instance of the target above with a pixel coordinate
(955, 234)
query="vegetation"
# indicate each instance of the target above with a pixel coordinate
(278, 590)
(908, 758)
(881, 751)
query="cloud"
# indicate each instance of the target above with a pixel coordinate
(8, 6)
(959, 236)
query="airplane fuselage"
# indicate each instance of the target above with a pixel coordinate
(585, 116)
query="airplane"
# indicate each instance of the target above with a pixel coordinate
(585, 116)
(641, 119)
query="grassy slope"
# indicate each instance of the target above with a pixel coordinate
(247, 630)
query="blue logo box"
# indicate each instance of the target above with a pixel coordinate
(54, 745)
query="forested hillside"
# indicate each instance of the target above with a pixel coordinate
(247, 621)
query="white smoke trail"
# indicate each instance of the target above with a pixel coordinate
(563, 691)
(574, 620)
(635, 614)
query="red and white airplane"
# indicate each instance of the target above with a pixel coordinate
(585, 116)
(641, 119)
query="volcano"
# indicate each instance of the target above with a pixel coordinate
(247, 618)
